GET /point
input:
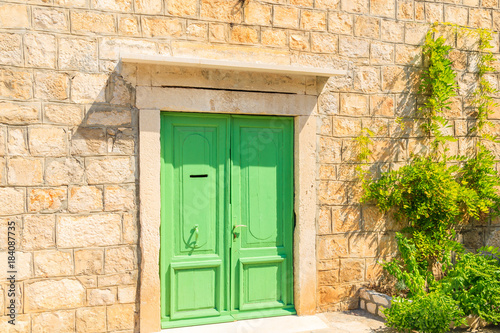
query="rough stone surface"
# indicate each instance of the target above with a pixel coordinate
(47, 199)
(91, 319)
(56, 322)
(88, 262)
(53, 263)
(88, 230)
(39, 232)
(46, 294)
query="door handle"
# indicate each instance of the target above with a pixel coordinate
(234, 229)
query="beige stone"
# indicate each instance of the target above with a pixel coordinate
(90, 320)
(46, 294)
(11, 49)
(217, 32)
(63, 114)
(88, 262)
(457, 15)
(378, 126)
(286, 17)
(221, 10)
(367, 27)
(47, 141)
(40, 50)
(38, 232)
(324, 126)
(327, 4)
(118, 279)
(71, 3)
(127, 294)
(120, 316)
(408, 55)
(420, 11)
(328, 172)
(148, 6)
(64, 171)
(325, 43)
(24, 171)
(335, 294)
(88, 230)
(399, 79)
(119, 198)
(325, 221)
(104, 296)
(51, 85)
(113, 5)
(23, 324)
(24, 269)
(480, 18)
(78, 54)
(415, 33)
(367, 79)
(130, 232)
(392, 31)
(355, 6)
(405, 10)
(388, 247)
(88, 88)
(385, 8)
(329, 150)
(352, 270)
(332, 193)
(182, 7)
(299, 41)
(162, 27)
(313, 20)
(352, 104)
(346, 126)
(340, 23)
(53, 263)
(14, 16)
(54, 322)
(363, 245)
(46, 199)
(197, 31)
(345, 218)
(110, 170)
(16, 142)
(107, 117)
(50, 19)
(120, 259)
(122, 142)
(353, 47)
(433, 12)
(13, 113)
(244, 34)
(92, 22)
(84, 199)
(89, 141)
(111, 48)
(128, 25)
(302, 3)
(382, 53)
(332, 246)
(257, 13)
(15, 83)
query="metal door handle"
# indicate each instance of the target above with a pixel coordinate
(234, 229)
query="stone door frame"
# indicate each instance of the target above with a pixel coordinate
(151, 101)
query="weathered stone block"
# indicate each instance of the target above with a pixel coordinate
(197, 31)
(335, 294)
(88, 230)
(257, 13)
(128, 25)
(217, 32)
(408, 55)
(346, 126)
(130, 232)
(324, 43)
(221, 10)
(163, 27)
(40, 50)
(110, 170)
(244, 34)
(299, 41)
(182, 7)
(64, 171)
(353, 47)
(118, 279)
(385, 8)
(15, 83)
(48, 141)
(24, 171)
(38, 232)
(382, 53)
(51, 85)
(367, 27)
(84, 199)
(346, 218)
(104, 296)
(341, 23)
(90, 320)
(352, 104)
(367, 79)
(83, 21)
(313, 20)
(24, 269)
(113, 5)
(88, 88)
(88, 262)
(120, 316)
(11, 49)
(332, 193)
(53, 322)
(352, 270)
(286, 17)
(17, 142)
(89, 141)
(327, 4)
(46, 199)
(53, 263)
(127, 294)
(355, 6)
(50, 19)
(78, 54)
(480, 18)
(405, 10)
(119, 198)
(415, 33)
(120, 259)
(14, 16)
(63, 114)
(46, 295)
(328, 278)
(148, 6)
(392, 31)
(324, 220)
(329, 150)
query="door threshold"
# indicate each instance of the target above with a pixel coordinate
(284, 324)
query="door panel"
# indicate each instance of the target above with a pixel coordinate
(227, 218)
(194, 214)
(261, 196)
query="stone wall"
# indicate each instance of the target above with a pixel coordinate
(68, 132)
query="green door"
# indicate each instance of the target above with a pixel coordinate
(227, 218)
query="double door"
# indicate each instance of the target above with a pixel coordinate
(227, 218)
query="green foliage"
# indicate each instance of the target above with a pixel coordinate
(428, 313)
(474, 282)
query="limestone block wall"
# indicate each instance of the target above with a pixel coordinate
(69, 130)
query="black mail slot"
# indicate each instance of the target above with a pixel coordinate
(198, 176)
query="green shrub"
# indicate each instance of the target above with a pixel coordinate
(474, 282)
(429, 313)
